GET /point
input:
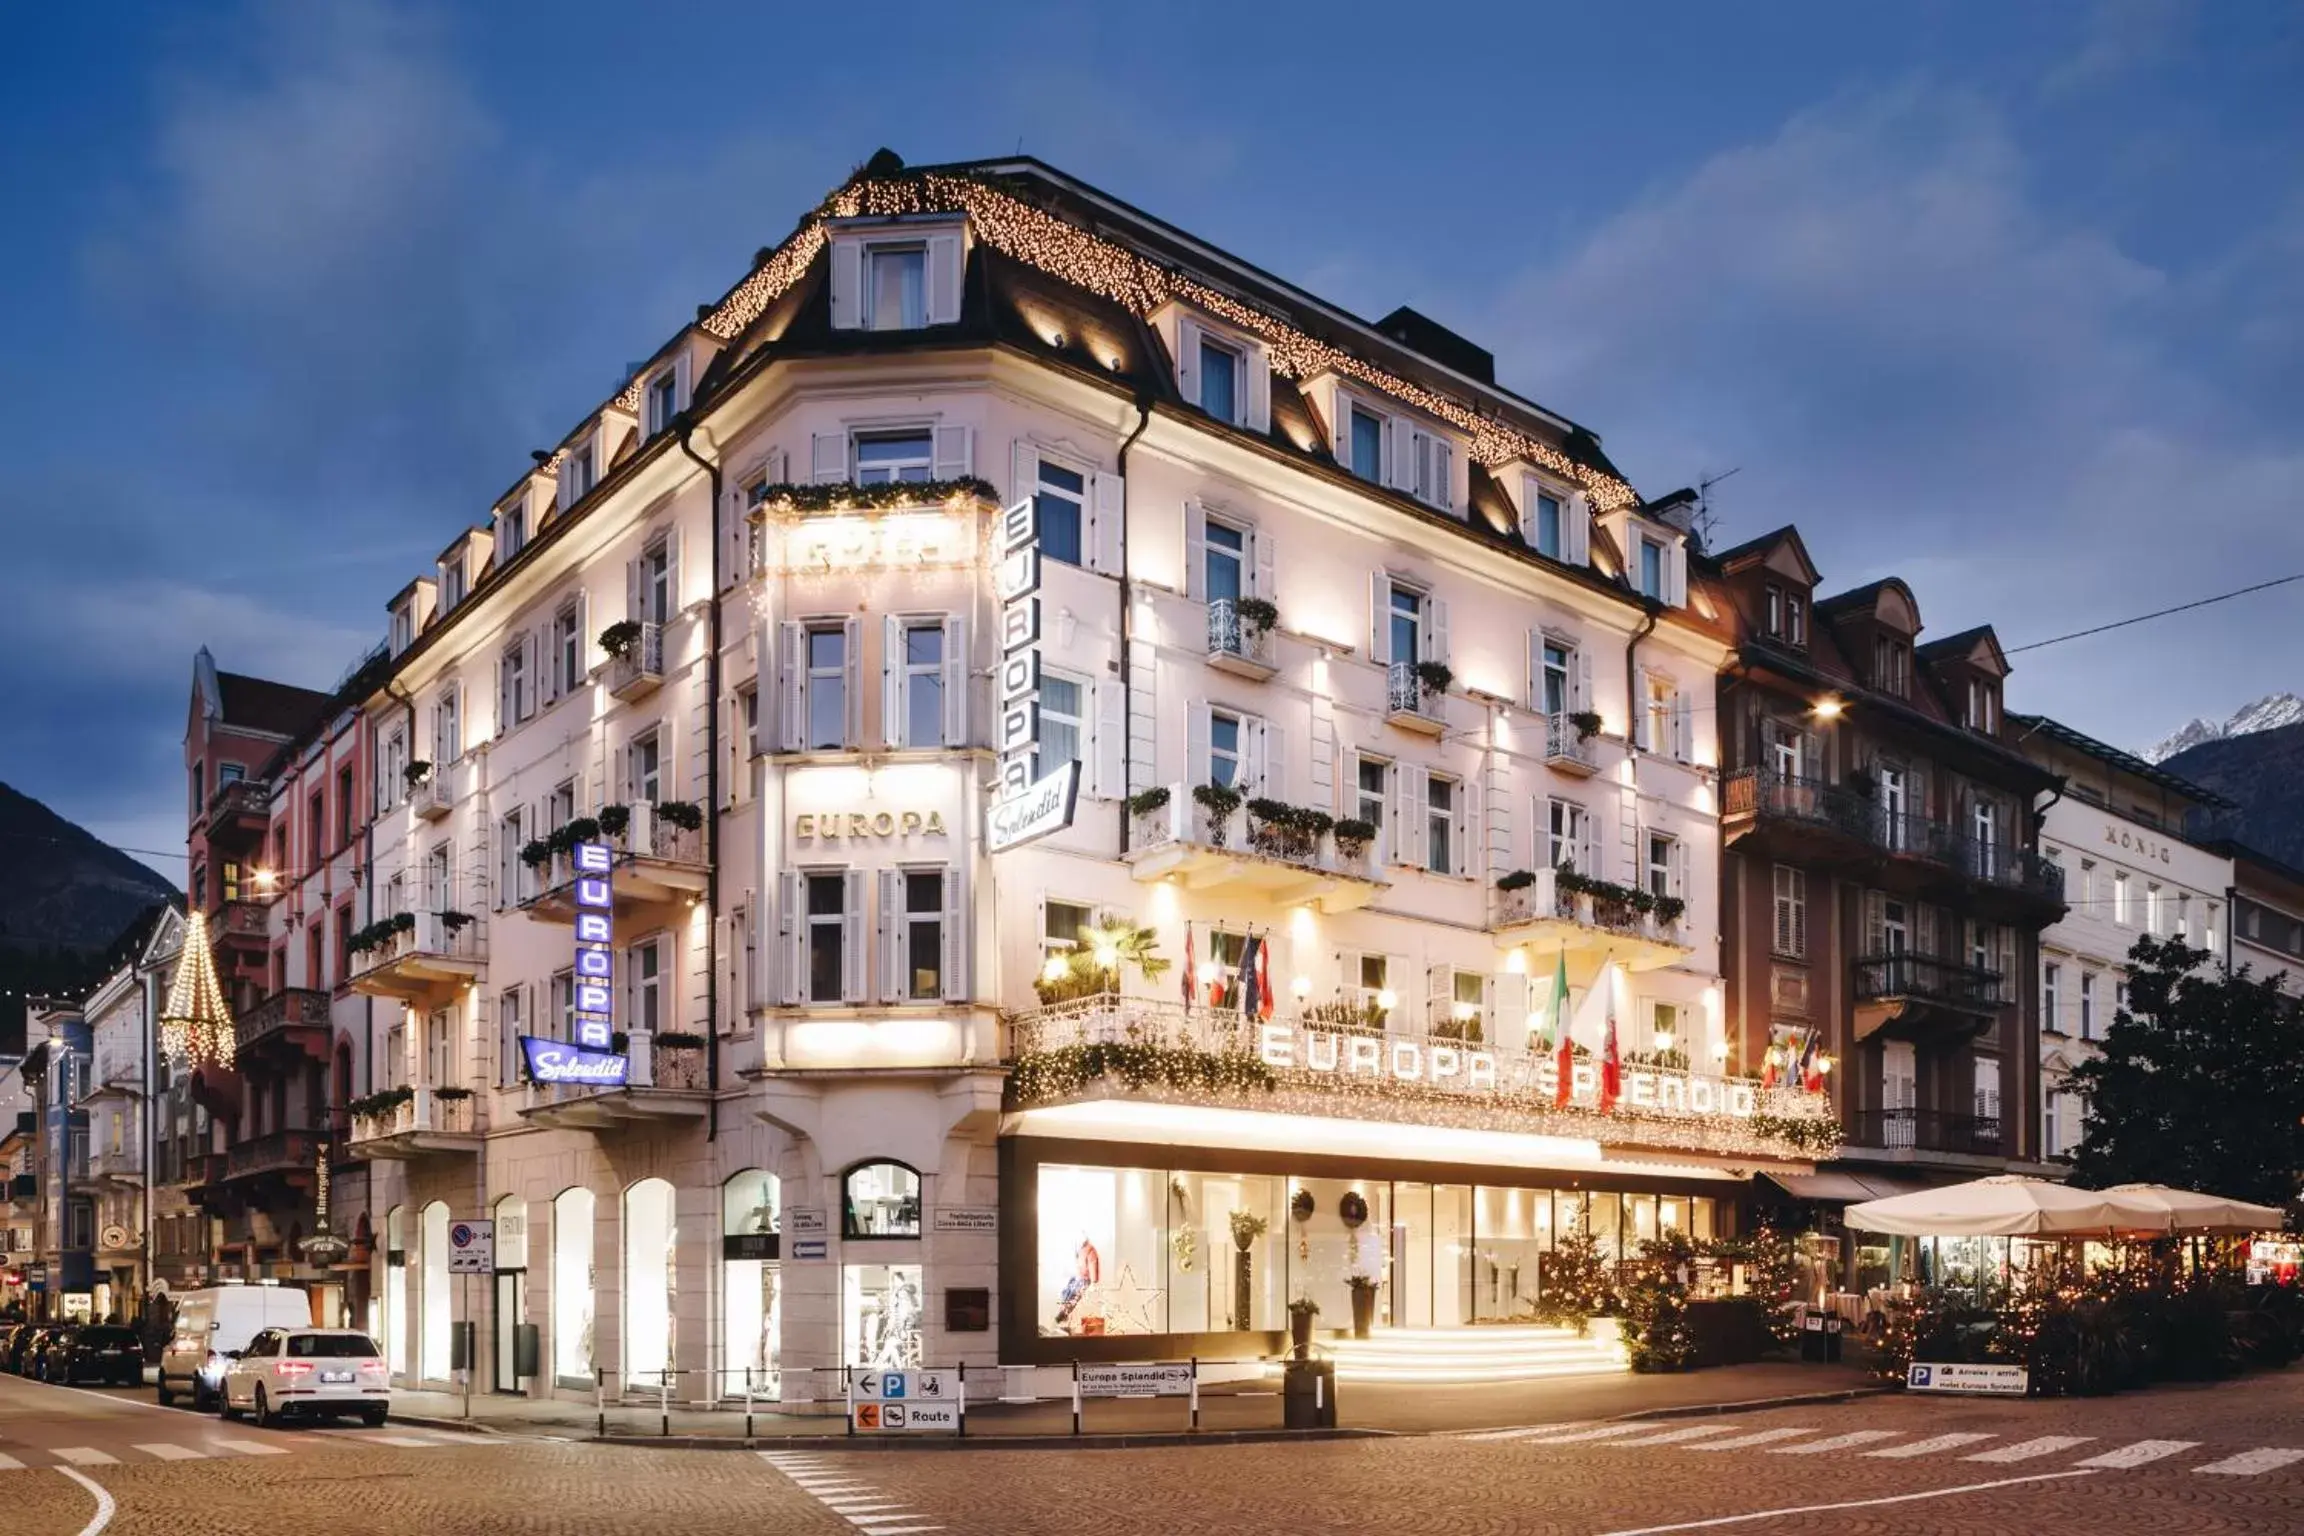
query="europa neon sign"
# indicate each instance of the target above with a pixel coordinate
(1451, 1067)
(590, 1058)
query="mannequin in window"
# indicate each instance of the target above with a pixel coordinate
(1087, 1270)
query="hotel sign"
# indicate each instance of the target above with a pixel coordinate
(592, 1058)
(1452, 1067)
(1026, 806)
(824, 826)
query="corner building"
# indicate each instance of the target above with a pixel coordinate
(1386, 698)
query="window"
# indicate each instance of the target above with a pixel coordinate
(891, 458)
(922, 926)
(1791, 934)
(1555, 689)
(1374, 780)
(346, 818)
(2119, 999)
(1367, 444)
(512, 883)
(647, 761)
(511, 531)
(1651, 568)
(1660, 712)
(1775, 611)
(895, 287)
(747, 733)
(922, 680)
(827, 685)
(1983, 706)
(1987, 1093)
(315, 830)
(1658, 873)
(647, 961)
(663, 401)
(2208, 929)
(1062, 923)
(1406, 616)
(657, 599)
(1548, 529)
(1225, 577)
(568, 647)
(2087, 1005)
(1063, 723)
(827, 935)
(451, 582)
(1227, 734)
(1461, 1012)
(561, 1020)
(518, 700)
(1061, 500)
(2152, 907)
(1889, 659)
(1795, 619)
(1440, 828)
(403, 629)
(511, 1024)
(231, 875)
(1567, 829)
(880, 1200)
(561, 808)
(2052, 996)
(2184, 916)
(390, 783)
(1219, 380)
(576, 475)
(448, 728)
(439, 1065)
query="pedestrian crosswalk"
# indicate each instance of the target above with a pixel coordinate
(25, 1458)
(849, 1497)
(2085, 1451)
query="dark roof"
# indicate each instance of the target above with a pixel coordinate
(1861, 597)
(2126, 762)
(282, 709)
(2239, 852)
(1428, 336)
(1951, 643)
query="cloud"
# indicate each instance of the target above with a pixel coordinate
(113, 632)
(2121, 37)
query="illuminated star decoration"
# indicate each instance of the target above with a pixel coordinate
(1127, 1306)
(196, 1026)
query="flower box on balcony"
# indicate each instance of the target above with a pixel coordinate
(1240, 636)
(1415, 698)
(635, 659)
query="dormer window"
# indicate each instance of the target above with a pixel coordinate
(577, 473)
(1983, 706)
(1651, 568)
(1433, 460)
(1544, 525)
(1223, 372)
(895, 287)
(897, 279)
(403, 628)
(452, 581)
(1891, 665)
(511, 530)
(1787, 616)
(1219, 380)
(663, 401)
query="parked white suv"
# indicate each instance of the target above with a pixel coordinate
(213, 1322)
(308, 1373)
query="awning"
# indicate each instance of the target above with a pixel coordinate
(1841, 1188)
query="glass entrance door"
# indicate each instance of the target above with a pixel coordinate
(511, 1306)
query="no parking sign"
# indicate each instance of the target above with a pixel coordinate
(472, 1246)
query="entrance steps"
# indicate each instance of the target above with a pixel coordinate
(1486, 1352)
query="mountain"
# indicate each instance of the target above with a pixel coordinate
(65, 889)
(2266, 714)
(2263, 770)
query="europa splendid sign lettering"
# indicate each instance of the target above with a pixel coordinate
(1470, 1069)
(590, 1057)
(1025, 807)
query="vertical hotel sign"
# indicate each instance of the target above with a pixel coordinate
(591, 1057)
(1026, 805)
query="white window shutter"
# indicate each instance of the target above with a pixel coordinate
(1340, 424)
(955, 940)
(828, 458)
(1679, 874)
(672, 592)
(1110, 741)
(503, 697)
(1259, 398)
(1400, 454)
(892, 680)
(1640, 731)
(956, 681)
(1271, 743)
(1263, 581)
(753, 990)
(531, 659)
(852, 662)
(1195, 550)
(1324, 794)
(1443, 473)
(1107, 517)
(1439, 997)
(1416, 823)
(893, 963)
(1535, 694)
(853, 986)
(955, 453)
(1676, 573)
(1023, 471)
(1465, 855)
(944, 272)
(1188, 359)
(1436, 629)
(1379, 618)
(847, 284)
(790, 653)
(583, 639)
(635, 607)
(791, 927)
(1683, 728)
(1196, 745)
(1577, 536)
(1583, 680)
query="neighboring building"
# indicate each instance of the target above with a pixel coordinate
(2117, 832)
(1329, 568)
(1883, 880)
(20, 1167)
(2267, 929)
(123, 1013)
(63, 1259)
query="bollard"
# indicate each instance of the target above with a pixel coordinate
(599, 1403)
(963, 1400)
(747, 1402)
(1195, 1392)
(1075, 1397)
(848, 1385)
(664, 1405)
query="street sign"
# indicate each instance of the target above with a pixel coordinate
(804, 1221)
(905, 1401)
(966, 1218)
(472, 1247)
(1989, 1380)
(1162, 1378)
(1043, 806)
(808, 1248)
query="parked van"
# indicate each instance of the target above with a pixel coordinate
(213, 1326)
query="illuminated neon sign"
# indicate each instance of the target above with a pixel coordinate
(591, 1058)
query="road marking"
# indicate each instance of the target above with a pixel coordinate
(413, 1442)
(2138, 1454)
(253, 1447)
(1604, 1432)
(1757, 1437)
(1835, 1442)
(884, 1509)
(1674, 1436)
(1522, 1431)
(2249, 1463)
(1812, 1509)
(86, 1456)
(1931, 1445)
(2046, 1445)
(165, 1451)
(858, 1503)
(104, 1505)
(10, 1464)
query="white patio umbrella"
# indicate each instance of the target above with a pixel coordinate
(2004, 1205)
(2191, 1210)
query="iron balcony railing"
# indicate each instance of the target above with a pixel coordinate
(1405, 693)
(640, 667)
(1928, 1130)
(1231, 635)
(1766, 794)
(291, 1008)
(272, 1152)
(1928, 979)
(1566, 746)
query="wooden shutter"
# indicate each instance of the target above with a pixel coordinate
(955, 457)
(851, 662)
(1196, 758)
(1195, 550)
(1272, 766)
(1188, 359)
(672, 603)
(1443, 469)
(893, 933)
(1379, 619)
(892, 680)
(1439, 998)
(1576, 529)
(1257, 382)
(1581, 680)
(1683, 727)
(1415, 830)
(1323, 760)
(853, 988)
(828, 458)
(955, 933)
(635, 607)
(847, 284)
(1464, 856)
(945, 258)
(1340, 425)
(1641, 734)
(956, 678)
(1109, 741)
(1436, 629)
(791, 925)
(1676, 573)
(1107, 522)
(1400, 454)
(1023, 471)
(1263, 580)
(790, 655)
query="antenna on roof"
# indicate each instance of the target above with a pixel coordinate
(1705, 520)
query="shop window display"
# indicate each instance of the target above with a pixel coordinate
(396, 1290)
(880, 1200)
(572, 1213)
(750, 1210)
(651, 1286)
(880, 1315)
(432, 1253)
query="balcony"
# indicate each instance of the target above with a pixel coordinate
(425, 1124)
(663, 1086)
(24, 1188)
(639, 669)
(1568, 749)
(425, 962)
(1237, 643)
(123, 1164)
(287, 1022)
(2016, 871)
(1928, 1130)
(429, 798)
(290, 1154)
(242, 925)
(1243, 850)
(1413, 703)
(656, 865)
(1913, 996)
(204, 1170)
(238, 814)
(1550, 917)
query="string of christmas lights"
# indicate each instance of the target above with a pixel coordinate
(196, 1026)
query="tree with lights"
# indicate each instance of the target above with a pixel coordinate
(2200, 1084)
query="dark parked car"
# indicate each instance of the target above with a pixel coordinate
(98, 1353)
(10, 1335)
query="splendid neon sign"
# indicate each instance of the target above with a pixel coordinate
(1451, 1067)
(591, 1058)
(554, 1061)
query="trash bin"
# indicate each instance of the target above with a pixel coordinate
(1812, 1339)
(1834, 1326)
(1308, 1394)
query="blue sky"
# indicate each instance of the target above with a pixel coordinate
(2008, 300)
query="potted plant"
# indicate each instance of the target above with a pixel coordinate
(1363, 1303)
(585, 829)
(1247, 1227)
(403, 922)
(620, 638)
(455, 922)
(1145, 802)
(536, 853)
(1353, 836)
(1587, 723)
(1301, 1311)
(1861, 783)
(1257, 613)
(612, 822)
(1219, 801)
(416, 772)
(1435, 677)
(1517, 880)
(687, 815)
(452, 1095)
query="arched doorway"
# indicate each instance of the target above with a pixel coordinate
(511, 1281)
(751, 1208)
(396, 1290)
(651, 1281)
(438, 1322)
(572, 1214)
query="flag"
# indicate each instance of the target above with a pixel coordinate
(1810, 1078)
(1264, 980)
(1556, 1016)
(1611, 1074)
(1251, 997)
(1190, 970)
(1563, 1043)
(1768, 1068)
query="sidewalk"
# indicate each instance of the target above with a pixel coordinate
(1227, 1411)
